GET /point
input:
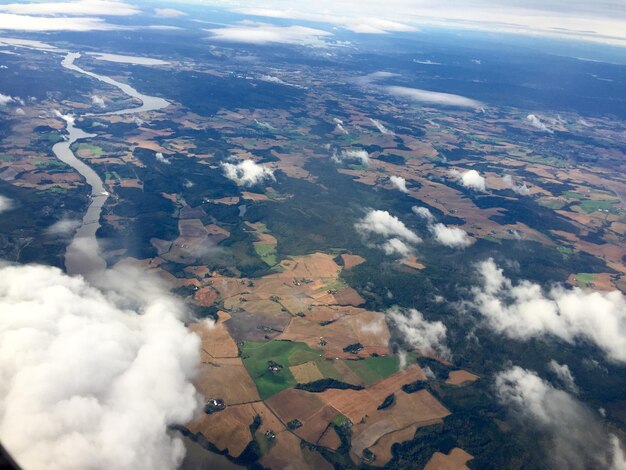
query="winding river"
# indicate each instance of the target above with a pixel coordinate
(83, 253)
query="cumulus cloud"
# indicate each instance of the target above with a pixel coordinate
(6, 99)
(424, 213)
(6, 204)
(564, 374)
(520, 189)
(339, 126)
(471, 179)
(360, 156)
(93, 377)
(578, 438)
(538, 124)
(261, 33)
(97, 101)
(384, 224)
(399, 182)
(161, 159)
(454, 237)
(422, 335)
(63, 227)
(393, 237)
(524, 311)
(395, 246)
(247, 172)
(381, 128)
(433, 97)
(169, 13)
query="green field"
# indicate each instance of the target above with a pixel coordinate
(585, 278)
(373, 369)
(592, 206)
(286, 353)
(267, 253)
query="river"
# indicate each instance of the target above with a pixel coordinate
(83, 255)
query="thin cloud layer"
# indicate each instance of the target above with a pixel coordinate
(382, 129)
(578, 438)
(564, 374)
(247, 172)
(93, 376)
(79, 8)
(261, 34)
(433, 97)
(6, 204)
(589, 21)
(524, 311)
(41, 23)
(520, 189)
(169, 13)
(63, 227)
(357, 24)
(422, 335)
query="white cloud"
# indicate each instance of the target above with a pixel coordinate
(381, 128)
(10, 21)
(80, 7)
(584, 20)
(471, 179)
(20, 111)
(339, 126)
(169, 13)
(395, 246)
(6, 204)
(424, 336)
(520, 189)
(161, 159)
(537, 123)
(63, 227)
(450, 236)
(424, 213)
(357, 24)
(93, 377)
(260, 33)
(384, 224)
(247, 172)
(524, 311)
(433, 97)
(578, 439)
(399, 182)
(5, 99)
(98, 101)
(564, 374)
(360, 156)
